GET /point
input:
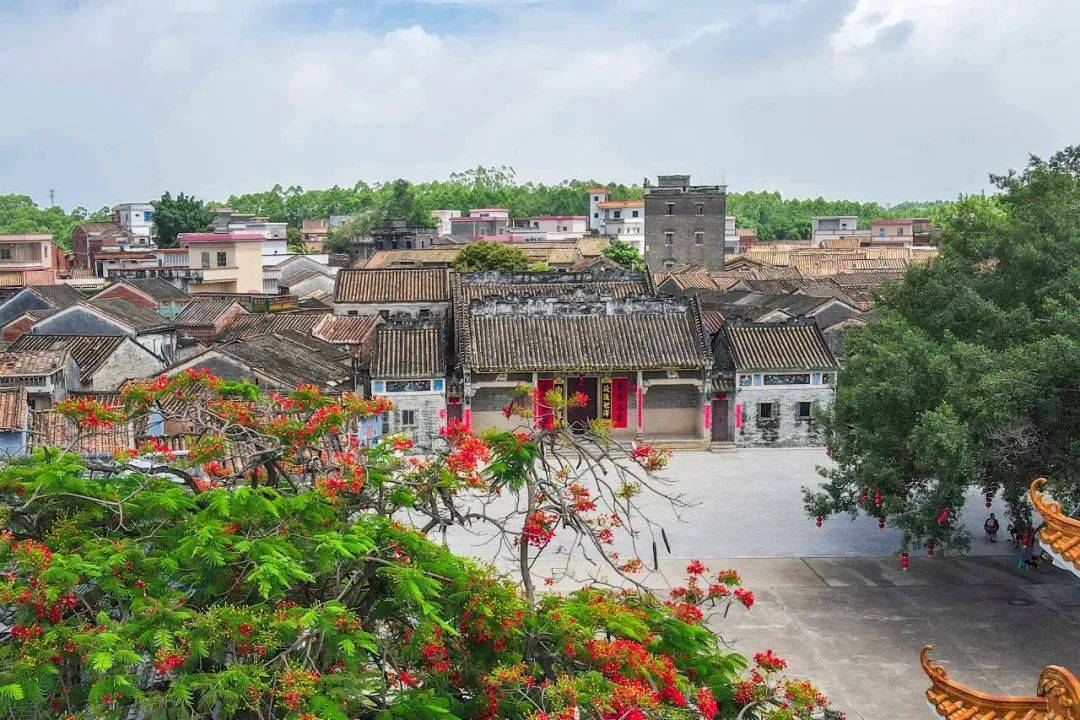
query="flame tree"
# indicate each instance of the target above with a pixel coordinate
(247, 564)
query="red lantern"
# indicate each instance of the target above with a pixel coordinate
(943, 516)
(881, 524)
(877, 497)
(989, 500)
(930, 549)
(819, 520)
(904, 561)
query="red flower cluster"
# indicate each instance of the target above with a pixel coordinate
(88, 413)
(539, 528)
(649, 457)
(706, 703)
(580, 498)
(744, 596)
(166, 660)
(768, 661)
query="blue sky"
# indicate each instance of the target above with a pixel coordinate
(114, 100)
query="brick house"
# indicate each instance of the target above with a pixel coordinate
(684, 223)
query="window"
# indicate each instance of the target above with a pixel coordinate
(899, 231)
(222, 259)
(826, 378)
(617, 214)
(788, 379)
(881, 232)
(596, 215)
(669, 238)
(5, 253)
(148, 216)
(400, 386)
(699, 238)
(633, 213)
(766, 411)
(596, 198)
(803, 409)
(671, 208)
(700, 208)
(46, 250)
(206, 259)
(408, 418)
(745, 380)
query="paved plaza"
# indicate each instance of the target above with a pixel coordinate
(833, 601)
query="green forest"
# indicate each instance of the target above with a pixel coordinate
(772, 215)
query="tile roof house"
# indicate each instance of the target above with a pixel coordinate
(152, 293)
(39, 297)
(105, 362)
(246, 326)
(280, 361)
(20, 325)
(639, 356)
(770, 379)
(46, 375)
(373, 292)
(14, 421)
(51, 429)
(408, 366)
(205, 319)
(113, 316)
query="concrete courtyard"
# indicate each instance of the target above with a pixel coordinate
(833, 601)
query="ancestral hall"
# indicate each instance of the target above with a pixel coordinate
(641, 361)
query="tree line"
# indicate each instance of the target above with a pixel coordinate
(772, 215)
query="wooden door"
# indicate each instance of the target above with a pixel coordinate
(720, 419)
(578, 418)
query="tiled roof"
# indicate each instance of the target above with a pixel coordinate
(135, 316)
(408, 350)
(592, 246)
(254, 324)
(505, 336)
(1057, 696)
(201, 313)
(13, 409)
(866, 279)
(769, 346)
(158, 289)
(88, 351)
(95, 228)
(289, 362)
(40, 362)
(51, 429)
(1060, 534)
(346, 329)
(392, 286)
(59, 296)
(617, 282)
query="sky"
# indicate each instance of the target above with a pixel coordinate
(119, 100)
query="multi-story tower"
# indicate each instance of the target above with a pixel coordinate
(684, 223)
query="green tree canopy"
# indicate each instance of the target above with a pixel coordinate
(181, 214)
(19, 214)
(970, 379)
(266, 573)
(625, 254)
(479, 256)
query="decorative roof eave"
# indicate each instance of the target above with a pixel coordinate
(1060, 534)
(1058, 696)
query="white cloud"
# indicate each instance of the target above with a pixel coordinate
(118, 99)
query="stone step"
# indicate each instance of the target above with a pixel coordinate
(725, 446)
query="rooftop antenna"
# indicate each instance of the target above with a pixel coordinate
(52, 197)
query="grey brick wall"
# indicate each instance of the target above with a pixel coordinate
(785, 430)
(684, 223)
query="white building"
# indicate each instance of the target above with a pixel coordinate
(622, 220)
(137, 219)
(835, 227)
(443, 219)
